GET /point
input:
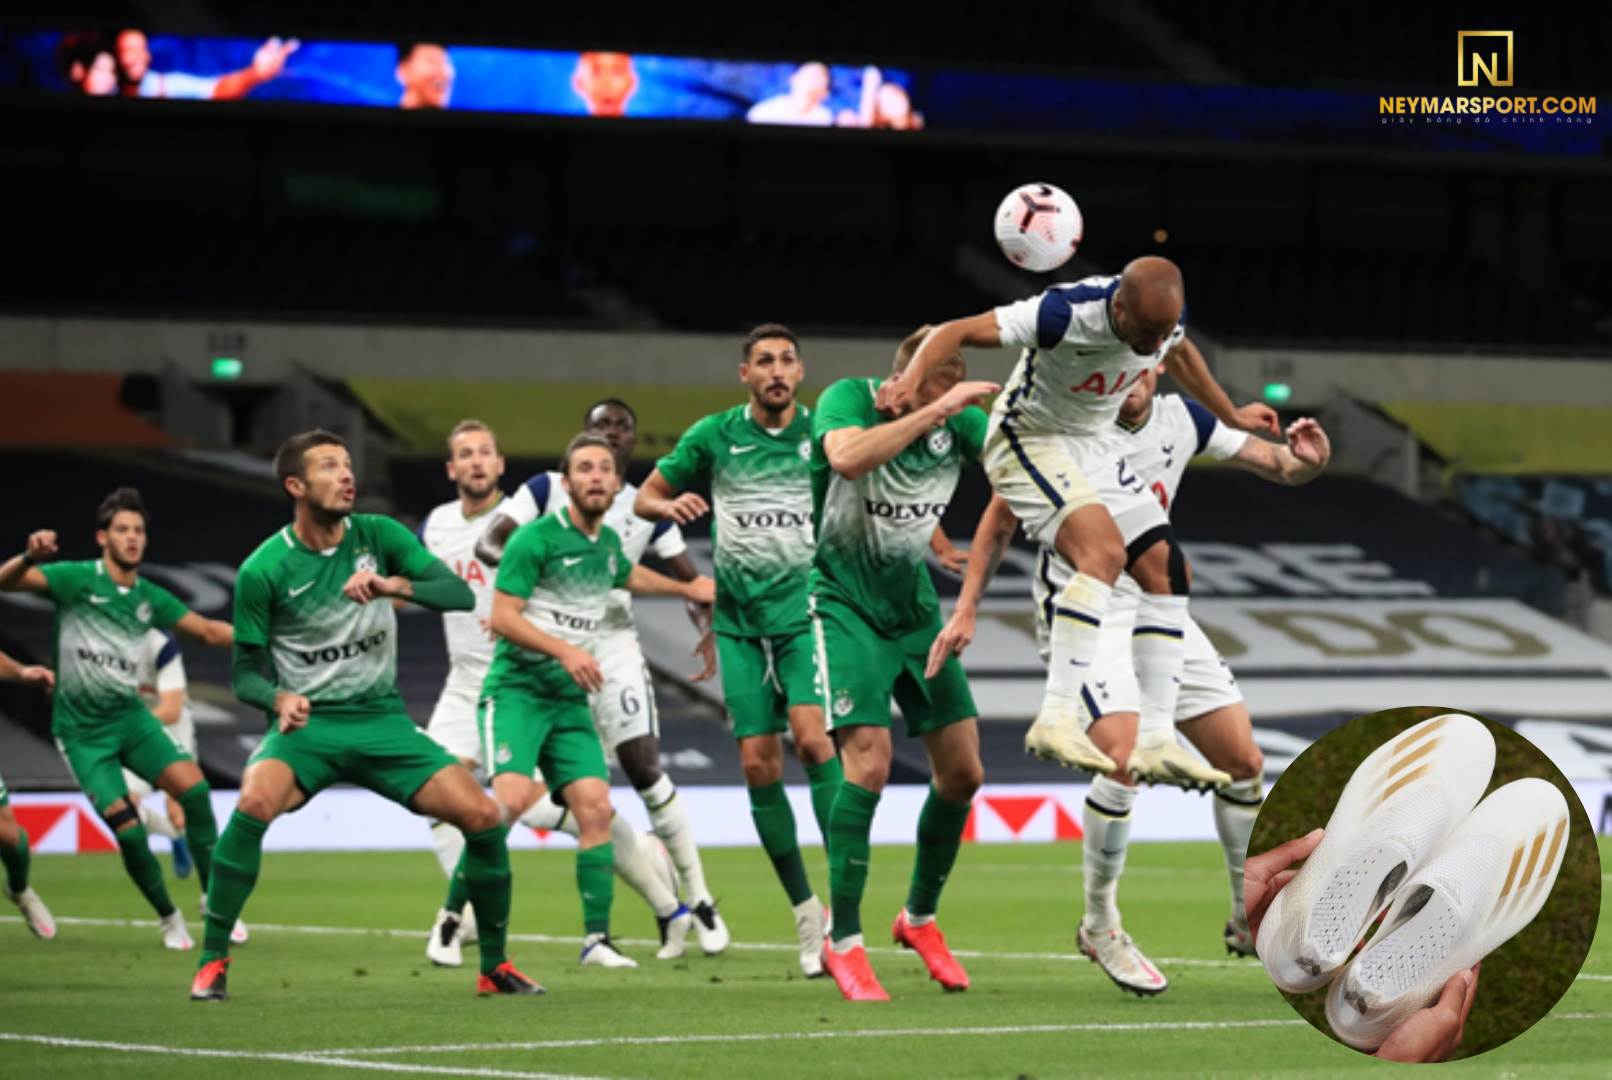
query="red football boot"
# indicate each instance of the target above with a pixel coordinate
(930, 945)
(853, 975)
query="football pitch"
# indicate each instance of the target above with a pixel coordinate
(335, 981)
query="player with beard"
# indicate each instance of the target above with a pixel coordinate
(450, 532)
(556, 584)
(624, 707)
(104, 610)
(317, 652)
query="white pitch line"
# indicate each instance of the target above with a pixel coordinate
(753, 946)
(327, 1059)
(1597, 978)
(810, 1036)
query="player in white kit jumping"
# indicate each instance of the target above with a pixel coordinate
(1160, 435)
(624, 710)
(1052, 453)
(451, 532)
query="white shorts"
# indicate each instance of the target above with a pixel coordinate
(1045, 477)
(183, 733)
(1207, 682)
(453, 722)
(625, 709)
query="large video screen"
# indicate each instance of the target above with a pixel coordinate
(804, 93)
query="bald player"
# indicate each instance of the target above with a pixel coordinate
(1053, 454)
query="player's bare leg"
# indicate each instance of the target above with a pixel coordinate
(1087, 539)
(865, 751)
(15, 859)
(1158, 649)
(452, 795)
(1226, 738)
(640, 760)
(954, 760)
(268, 790)
(190, 807)
(1106, 820)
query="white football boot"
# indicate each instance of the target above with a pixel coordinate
(1399, 805)
(1056, 736)
(1239, 942)
(445, 947)
(238, 934)
(1483, 884)
(599, 951)
(709, 928)
(174, 934)
(674, 932)
(811, 926)
(34, 911)
(1159, 758)
(1118, 956)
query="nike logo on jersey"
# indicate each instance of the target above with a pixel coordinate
(100, 599)
(300, 589)
(1168, 450)
(573, 562)
(740, 449)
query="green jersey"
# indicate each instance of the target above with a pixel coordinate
(340, 655)
(101, 629)
(761, 493)
(872, 532)
(565, 577)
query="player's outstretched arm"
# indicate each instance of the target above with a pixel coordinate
(854, 452)
(992, 537)
(21, 573)
(28, 674)
(1188, 367)
(658, 500)
(1303, 458)
(977, 331)
(267, 63)
(212, 632)
(646, 582)
(509, 624)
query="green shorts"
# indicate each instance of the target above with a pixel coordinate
(863, 669)
(521, 733)
(764, 677)
(385, 752)
(98, 755)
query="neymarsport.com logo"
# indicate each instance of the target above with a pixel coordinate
(1486, 58)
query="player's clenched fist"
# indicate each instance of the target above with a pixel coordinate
(41, 546)
(292, 711)
(366, 585)
(685, 508)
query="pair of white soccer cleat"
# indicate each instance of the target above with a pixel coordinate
(1156, 758)
(1458, 878)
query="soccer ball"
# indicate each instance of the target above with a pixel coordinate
(1038, 227)
(661, 860)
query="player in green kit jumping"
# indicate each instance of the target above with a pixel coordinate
(316, 649)
(880, 484)
(553, 588)
(757, 458)
(104, 610)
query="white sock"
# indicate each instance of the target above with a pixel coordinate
(1077, 617)
(157, 824)
(1107, 821)
(846, 944)
(449, 844)
(918, 920)
(546, 815)
(671, 825)
(1158, 648)
(1236, 806)
(634, 865)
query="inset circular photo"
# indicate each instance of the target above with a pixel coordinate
(1423, 884)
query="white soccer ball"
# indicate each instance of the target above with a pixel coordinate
(1038, 227)
(661, 860)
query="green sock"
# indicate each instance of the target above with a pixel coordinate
(940, 834)
(826, 780)
(775, 824)
(596, 881)
(848, 851)
(201, 830)
(489, 885)
(16, 862)
(143, 868)
(236, 863)
(458, 890)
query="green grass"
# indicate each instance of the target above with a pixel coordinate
(1524, 978)
(296, 991)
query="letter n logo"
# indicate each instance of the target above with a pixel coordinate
(1476, 52)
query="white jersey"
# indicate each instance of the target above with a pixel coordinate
(1177, 430)
(1075, 371)
(161, 669)
(543, 494)
(176, 84)
(452, 537)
